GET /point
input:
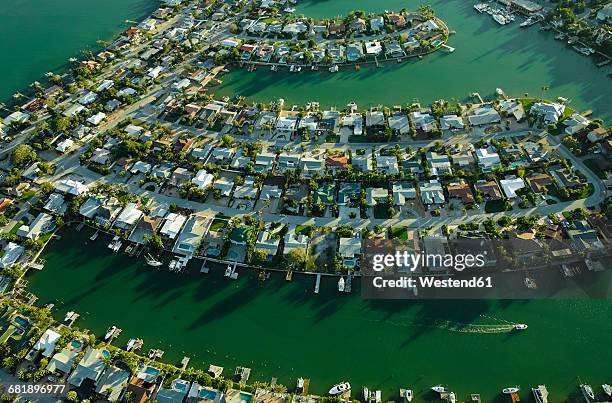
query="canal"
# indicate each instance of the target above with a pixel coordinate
(284, 330)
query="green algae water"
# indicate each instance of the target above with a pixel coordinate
(487, 56)
(37, 36)
(284, 330)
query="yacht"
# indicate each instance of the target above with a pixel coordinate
(378, 396)
(452, 398)
(500, 19)
(228, 271)
(274, 67)
(366, 394)
(480, 7)
(340, 388)
(68, 316)
(439, 389)
(528, 22)
(520, 326)
(94, 236)
(607, 388)
(587, 390)
(134, 344)
(151, 261)
(540, 394)
(509, 391)
(341, 284)
(109, 333)
(333, 69)
(300, 384)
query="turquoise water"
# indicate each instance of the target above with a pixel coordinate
(37, 36)
(487, 56)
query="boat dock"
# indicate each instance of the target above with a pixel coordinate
(349, 282)
(204, 269)
(318, 283)
(184, 363)
(37, 265)
(242, 374)
(289, 275)
(475, 397)
(306, 386)
(80, 226)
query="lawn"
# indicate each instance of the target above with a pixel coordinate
(303, 230)
(400, 233)
(332, 138)
(494, 206)
(218, 224)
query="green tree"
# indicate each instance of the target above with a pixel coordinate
(23, 155)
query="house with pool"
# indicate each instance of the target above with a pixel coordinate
(90, 367)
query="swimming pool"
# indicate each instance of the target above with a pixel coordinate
(76, 344)
(213, 252)
(245, 397)
(21, 321)
(232, 255)
(105, 354)
(207, 394)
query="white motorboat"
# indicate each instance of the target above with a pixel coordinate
(520, 326)
(274, 67)
(588, 390)
(509, 391)
(151, 261)
(540, 394)
(341, 284)
(228, 271)
(333, 69)
(94, 236)
(109, 333)
(439, 389)
(68, 316)
(500, 19)
(378, 396)
(607, 388)
(300, 384)
(340, 388)
(452, 398)
(131, 344)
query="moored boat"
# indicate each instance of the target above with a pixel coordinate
(520, 326)
(587, 390)
(540, 394)
(407, 395)
(511, 390)
(340, 388)
(110, 332)
(452, 398)
(439, 389)
(341, 284)
(607, 388)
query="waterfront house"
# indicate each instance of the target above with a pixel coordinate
(46, 344)
(266, 120)
(16, 117)
(431, 193)
(510, 107)
(357, 25)
(354, 120)
(438, 164)
(90, 367)
(42, 224)
(402, 191)
(10, 254)
(350, 248)
(175, 394)
(354, 51)
(210, 113)
(451, 122)
(510, 185)
(377, 23)
(484, 115)
(375, 120)
(112, 383)
(398, 20)
(309, 122)
(373, 48)
(142, 385)
(488, 159)
(387, 164)
(597, 135)
(549, 112)
(435, 245)
(191, 236)
(575, 124)
(102, 210)
(268, 242)
(423, 121)
(394, 49)
(146, 227)
(62, 361)
(286, 125)
(336, 29)
(173, 223)
(293, 241)
(488, 189)
(128, 217)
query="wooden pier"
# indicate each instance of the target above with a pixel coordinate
(289, 275)
(306, 386)
(204, 269)
(318, 283)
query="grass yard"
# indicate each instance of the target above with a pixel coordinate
(400, 233)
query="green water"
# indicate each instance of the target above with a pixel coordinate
(284, 330)
(37, 36)
(487, 56)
